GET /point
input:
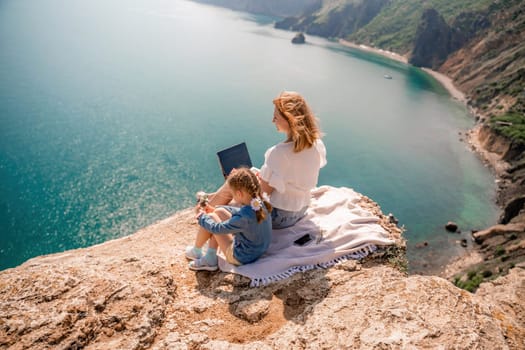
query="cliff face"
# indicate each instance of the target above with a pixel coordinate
(435, 40)
(489, 68)
(137, 293)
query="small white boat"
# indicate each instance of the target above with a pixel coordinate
(386, 76)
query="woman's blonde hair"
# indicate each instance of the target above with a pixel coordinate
(304, 128)
(245, 180)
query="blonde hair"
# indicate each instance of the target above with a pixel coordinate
(244, 180)
(304, 128)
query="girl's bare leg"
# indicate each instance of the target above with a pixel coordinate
(202, 237)
(209, 261)
(218, 215)
(223, 241)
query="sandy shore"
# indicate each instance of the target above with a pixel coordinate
(381, 52)
(447, 84)
(493, 160)
(445, 81)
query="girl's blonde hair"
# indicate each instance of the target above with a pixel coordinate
(244, 180)
(304, 128)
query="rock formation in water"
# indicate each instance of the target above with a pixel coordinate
(137, 293)
(298, 39)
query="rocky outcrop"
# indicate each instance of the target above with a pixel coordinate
(497, 292)
(508, 232)
(501, 247)
(513, 209)
(435, 40)
(137, 293)
(489, 69)
(508, 159)
(495, 143)
(451, 226)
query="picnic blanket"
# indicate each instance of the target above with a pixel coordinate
(340, 229)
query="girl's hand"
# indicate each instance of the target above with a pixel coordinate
(199, 214)
(199, 210)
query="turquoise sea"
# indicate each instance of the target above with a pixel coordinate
(111, 113)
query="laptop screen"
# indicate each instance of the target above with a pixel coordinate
(234, 157)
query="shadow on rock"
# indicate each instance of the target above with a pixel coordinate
(293, 298)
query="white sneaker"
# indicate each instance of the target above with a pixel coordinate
(191, 254)
(202, 265)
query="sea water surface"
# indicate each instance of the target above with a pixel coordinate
(111, 113)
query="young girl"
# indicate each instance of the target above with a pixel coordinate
(243, 234)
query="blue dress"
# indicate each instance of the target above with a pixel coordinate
(251, 239)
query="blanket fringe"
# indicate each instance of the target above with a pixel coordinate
(357, 255)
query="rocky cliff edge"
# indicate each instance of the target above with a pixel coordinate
(137, 293)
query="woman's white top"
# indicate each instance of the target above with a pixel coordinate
(292, 175)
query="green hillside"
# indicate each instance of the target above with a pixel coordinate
(394, 28)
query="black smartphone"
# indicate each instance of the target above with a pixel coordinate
(303, 240)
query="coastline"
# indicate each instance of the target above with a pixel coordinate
(492, 160)
(448, 84)
(444, 80)
(389, 54)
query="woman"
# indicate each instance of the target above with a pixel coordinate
(291, 168)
